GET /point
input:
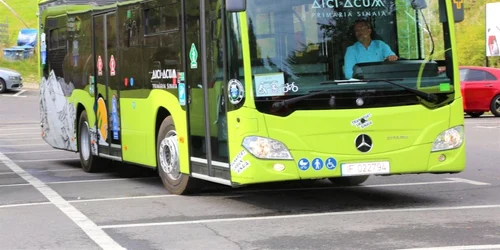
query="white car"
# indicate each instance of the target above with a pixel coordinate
(10, 80)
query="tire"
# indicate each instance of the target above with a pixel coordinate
(89, 162)
(167, 158)
(495, 106)
(475, 114)
(349, 181)
(3, 86)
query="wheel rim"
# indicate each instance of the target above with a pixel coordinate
(85, 141)
(1, 86)
(497, 104)
(169, 156)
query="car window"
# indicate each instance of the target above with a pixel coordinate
(476, 75)
(490, 77)
(463, 72)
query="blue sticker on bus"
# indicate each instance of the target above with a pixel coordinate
(131, 82)
(331, 163)
(317, 164)
(114, 114)
(303, 164)
(182, 94)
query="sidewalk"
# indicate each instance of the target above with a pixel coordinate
(31, 86)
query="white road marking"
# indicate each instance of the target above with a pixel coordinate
(17, 129)
(14, 185)
(19, 93)
(477, 183)
(88, 226)
(457, 247)
(25, 204)
(455, 180)
(20, 122)
(126, 198)
(295, 216)
(47, 170)
(488, 127)
(57, 170)
(25, 145)
(16, 134)
(15, 95)
(45, 160)
(92, 200)
(80, 181)
(100, 180)
(32, 152)
(21, 139)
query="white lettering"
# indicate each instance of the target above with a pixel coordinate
(159, 86)
(334, 4)
(163, 74)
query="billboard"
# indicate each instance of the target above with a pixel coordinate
(492, 29)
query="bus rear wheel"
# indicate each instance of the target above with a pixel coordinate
(89, 162)
(168, 163)
(349, 181)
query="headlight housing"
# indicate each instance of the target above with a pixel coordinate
(14, 77)
(266, 148)
(449, 139)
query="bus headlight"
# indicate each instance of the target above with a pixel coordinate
(449, 139)
(265, 148)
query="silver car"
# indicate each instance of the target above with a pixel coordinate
(10, 80)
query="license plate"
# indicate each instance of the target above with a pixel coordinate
(365, 168)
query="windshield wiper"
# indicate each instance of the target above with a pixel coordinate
(285, 103)
(425, 96)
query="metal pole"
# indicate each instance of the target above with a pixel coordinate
(208, 144)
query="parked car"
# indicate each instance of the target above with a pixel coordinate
(10, 80)
(480, 90)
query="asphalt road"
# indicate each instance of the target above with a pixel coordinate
(48, 202)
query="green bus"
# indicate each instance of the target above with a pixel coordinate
(240, 92)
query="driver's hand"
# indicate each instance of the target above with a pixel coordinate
(391, 58)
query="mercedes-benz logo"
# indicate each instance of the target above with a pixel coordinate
(363, 143)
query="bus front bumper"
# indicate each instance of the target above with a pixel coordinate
(313, 165)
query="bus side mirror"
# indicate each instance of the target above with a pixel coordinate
(458, 11)
(236, 5)
(418, 4)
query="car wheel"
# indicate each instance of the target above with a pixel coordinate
(349, 181)
(495, 106)
(3, 86)
(168, 162)
(89, 162)
(475, 114)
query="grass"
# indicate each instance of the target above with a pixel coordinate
(26, 9)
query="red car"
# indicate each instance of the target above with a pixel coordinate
(480, 90)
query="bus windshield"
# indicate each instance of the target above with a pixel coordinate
(299, 47)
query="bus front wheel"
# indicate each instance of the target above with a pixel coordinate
(89, 162)
(349, 181)
(168, 163)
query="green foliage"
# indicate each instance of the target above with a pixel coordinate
(471, 35)
(27, 10)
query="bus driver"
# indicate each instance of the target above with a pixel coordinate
(365, 49)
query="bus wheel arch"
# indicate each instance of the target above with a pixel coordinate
(168, 162)
(89, 162)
